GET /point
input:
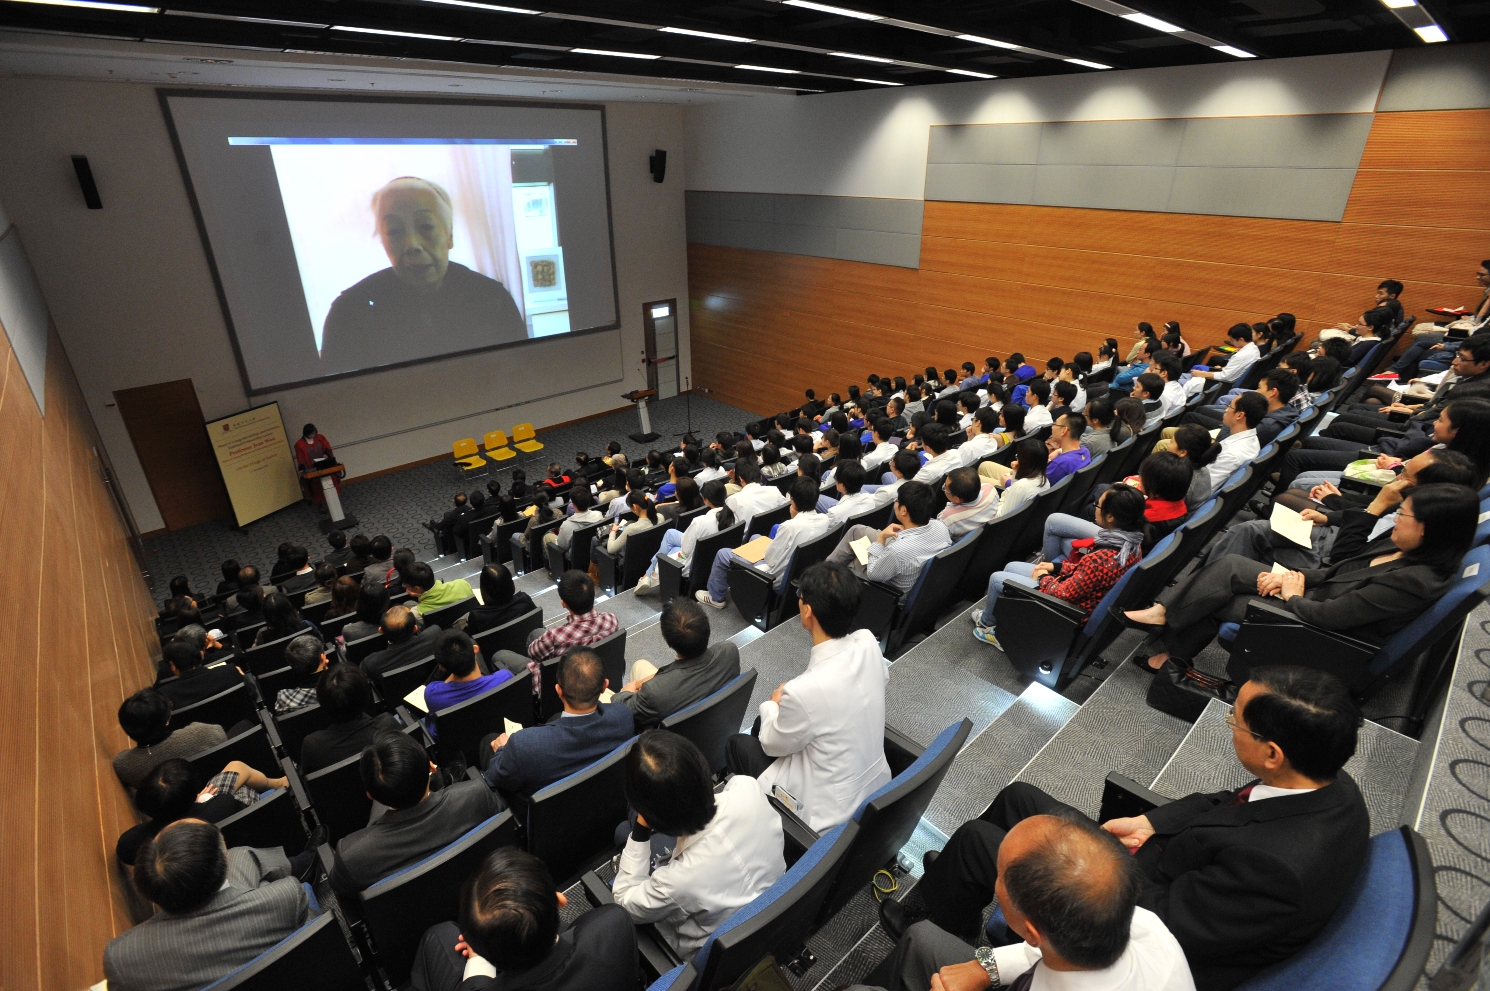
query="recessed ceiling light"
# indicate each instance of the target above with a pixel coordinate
(604, 51)
(830, 9)
(394, 34)
(249, 20)
(707, 34)
(863, 58)
(1233, 51)
(495, 7)
(1399, 4)
(1431, 33)
(1089, 65)
(970, 72)
(1153, 22)
(979, 40)
(767, 68)
(878, 82)
(128, 8)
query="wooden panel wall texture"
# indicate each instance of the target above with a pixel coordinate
(1053, 281)
(75, 625)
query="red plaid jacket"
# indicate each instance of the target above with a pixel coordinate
(580, 631)
(1086, 575)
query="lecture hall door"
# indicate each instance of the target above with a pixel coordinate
(660, 320)
(165, 423)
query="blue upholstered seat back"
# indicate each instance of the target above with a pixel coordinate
(941, 743)
(1359, 948)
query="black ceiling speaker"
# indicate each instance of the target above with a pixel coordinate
(85, 181)
(658, 162)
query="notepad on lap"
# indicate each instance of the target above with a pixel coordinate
(416, 699)
(860, 548)
(510, 727)
(1291, 526)
(1278, 569)
(754, 551)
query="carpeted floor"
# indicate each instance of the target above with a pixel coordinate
(396, 504)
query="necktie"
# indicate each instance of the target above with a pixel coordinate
(1023, 981)
(1244, 796)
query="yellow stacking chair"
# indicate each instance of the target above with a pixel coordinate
(466, 457)
(522, 438)
(496, 446)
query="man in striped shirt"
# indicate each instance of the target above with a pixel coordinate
(897, 552)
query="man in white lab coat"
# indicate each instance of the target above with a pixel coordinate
(819, 743)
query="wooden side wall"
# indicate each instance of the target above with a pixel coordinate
(1053, 280)
(75, 637)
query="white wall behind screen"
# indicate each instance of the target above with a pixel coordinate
(874, 142)
(134, 301)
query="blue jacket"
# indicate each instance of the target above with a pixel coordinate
(541, 755)
(1124, 379)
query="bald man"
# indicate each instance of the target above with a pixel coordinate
(423, 304)
(1070, 892)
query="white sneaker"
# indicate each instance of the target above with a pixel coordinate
(976, 615)
(708, 600)
(644, 584)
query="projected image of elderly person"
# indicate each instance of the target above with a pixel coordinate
(423, 304)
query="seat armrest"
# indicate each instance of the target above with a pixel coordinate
(407, 717)
(473, 774)
(1056, 605)
(597, 892)
(799, 835)
(657, 956)
(900, 750)
(1123, 797)
(271, 731)
(297, 787)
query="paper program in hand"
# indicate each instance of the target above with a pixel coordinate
(1291, 526)
(416, 699)
(860, 548)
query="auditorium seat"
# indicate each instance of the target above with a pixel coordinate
(270, 822)
(339, 798)
(251, 747)
(294, 726)
(754, 590)
(398, 909)
(226, 709)
(462, 726)
(993, 551)
(314, 956)
(572, 823)
(395, 685)
(761, 523)
(511, 635)
(358, 650)
(445, 616)
(712, 720)
(670, 579)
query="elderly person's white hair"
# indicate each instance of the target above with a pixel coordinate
(447, 210)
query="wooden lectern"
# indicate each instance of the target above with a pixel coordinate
(339, 520)
(640, 397)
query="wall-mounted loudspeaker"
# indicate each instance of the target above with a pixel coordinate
(86, 183)
(658, 162)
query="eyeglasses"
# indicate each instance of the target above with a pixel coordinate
(1231, 722)
(1405, 516)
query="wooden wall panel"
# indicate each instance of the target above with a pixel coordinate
(998, 278)
(77, 634)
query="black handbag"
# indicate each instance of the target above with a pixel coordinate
(1183, 691)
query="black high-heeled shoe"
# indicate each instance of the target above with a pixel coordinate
(1134, 624)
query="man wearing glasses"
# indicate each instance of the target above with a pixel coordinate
(1243, 879)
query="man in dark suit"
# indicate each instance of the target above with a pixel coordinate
(195, 679)
(521, 763)
(340, 553)
(1243, 879)
(406, 642)
(509, 925)
(303, 577)
(395, 772)
(219, 909)
(698, 672)
(345, 695)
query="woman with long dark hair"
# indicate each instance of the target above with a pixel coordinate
(372, 603)
(1028, 479)
(681, 545)
(282, 619)
(1371, 591)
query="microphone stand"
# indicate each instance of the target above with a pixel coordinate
(688, 405)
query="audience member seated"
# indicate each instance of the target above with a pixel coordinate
(1241, 882)
(380, 568)
(282, 619)
(903, 468)
(325, 578)
(698, 670)
(1103, 432)
(509, 926)
(1069, 892)
(1278, 387)
(283, 567)
(897, 552)
(306, 657)
(942, 457)
(195, 680)
(345, 695)
(229, 583)
(820, 738)
(344, 593)
(340, 553)
(982, 436)
(636, 482)
(729, 843)
(848, 479)
(1371, 594)
(173, 791)
(971, 502)
(1336, 519)
(1248, 340)
(584, 627)
(218, 909)
(417, 822)
(1239, 445)
(804, 525)
(518, 764)
(145, 718)
(457, 675)
(180, 589)
(753, 497)
(302, 576)
(500, 601)
(372, 603)
(429, 592)
(247, 604)
(716, 517)
(1022, 480)
(1082, 560)
(611, 542)
(1036, 400)
(584, 514)
(361, 548)
(1194, 444)
(406, 642)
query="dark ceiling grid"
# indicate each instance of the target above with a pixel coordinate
(911, 43)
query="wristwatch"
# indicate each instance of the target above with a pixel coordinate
(985, 958)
